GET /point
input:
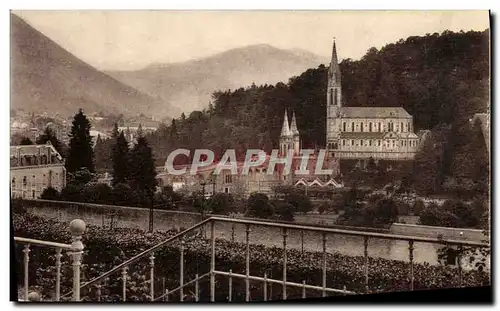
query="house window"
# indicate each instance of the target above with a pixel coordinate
(362, 127)
(335, 146)
(33, 194)
(25, 181)
(380, 127)
(379, 143)
(352, 142)
(352, 126)
(401, 126)
(229, 179)
(361, 142)
(343, 142)
(370, 142)
(370, 127)
(344, 125)
(226, 190)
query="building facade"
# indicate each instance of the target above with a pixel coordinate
(34, 168)
(365, 132)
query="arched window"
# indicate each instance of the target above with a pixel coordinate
(335, 97)
(361, 142)
(352, 126)
(401, 126)
(331, 97)
(380, 127)
(370, 129)
(25, 181)
(362, 127)
(344, 125)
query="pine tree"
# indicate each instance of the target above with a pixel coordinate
(49, 135)
(120, 156)
(115, 132)
(80, 152)
(142, 170)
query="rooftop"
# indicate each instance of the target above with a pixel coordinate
(374, 112)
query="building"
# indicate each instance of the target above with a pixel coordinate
(34, 168)
(381, 133)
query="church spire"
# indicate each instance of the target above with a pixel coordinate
(334, 71)
(285, 129)
(293, 126)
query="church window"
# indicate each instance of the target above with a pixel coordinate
(335, 97)
(25, 181)
(362, 127)
(331, 97)
(370, 127)
(344, 125)
(352, 126)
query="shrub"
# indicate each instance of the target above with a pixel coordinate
(258, 206)
(50, 193)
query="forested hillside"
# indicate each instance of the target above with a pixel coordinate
(441, 79)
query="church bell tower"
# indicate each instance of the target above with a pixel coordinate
(333, 103)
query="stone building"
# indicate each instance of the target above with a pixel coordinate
(34, 168)
(382, 133)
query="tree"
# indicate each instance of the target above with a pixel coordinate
(50, 193)
(284, 210)
(418, 207)
(99, 193)
(81, 177)
(221, 203)
(142, 170)
(71, 193)
(121, 194)
(258, 206)
(49, 136)
(299, 201)
(26, 141)
(120, 157)
(81, 154)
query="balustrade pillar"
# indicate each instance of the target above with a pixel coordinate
(196, 289)
(367, 290)
(247, 264)
(284, 262)
(181, 271)
(230, 297)
(265, 286)
(124, 284)
(77, 228)
(212, 263)
(58, 273)
(410, 248)
(26, 252)
(324, 264)
(152, 275)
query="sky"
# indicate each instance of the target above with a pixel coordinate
(129, 40)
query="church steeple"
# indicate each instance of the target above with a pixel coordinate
(293, 126)
(334, 72)
(285, 129)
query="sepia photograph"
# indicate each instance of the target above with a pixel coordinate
(250, 156)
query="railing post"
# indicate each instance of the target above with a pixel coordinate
(152, 275)
(58, 273)
(26, 252)
(181, 272)
(98, 292)
(212, 263)
(124, 284)
(410, 248)
(303, 289)
(459, 262)
(230, 297)
(284, 263)
(367, 289)
(196, 289)
(77, 228)
(166, 295)
(247, 263)
(324, 264)
(265, 286)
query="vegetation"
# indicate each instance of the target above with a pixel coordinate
(49, 136)
(80, 154)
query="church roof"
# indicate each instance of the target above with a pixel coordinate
(293, 126)
(374, 112)
(285, 129)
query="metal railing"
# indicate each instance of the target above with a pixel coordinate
(165, 294)
(75, 251)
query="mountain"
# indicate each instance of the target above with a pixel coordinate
(47, 78)
(189, 85)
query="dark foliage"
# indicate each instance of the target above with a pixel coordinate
(81, 154)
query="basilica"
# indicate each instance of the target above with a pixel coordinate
(358, 133)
